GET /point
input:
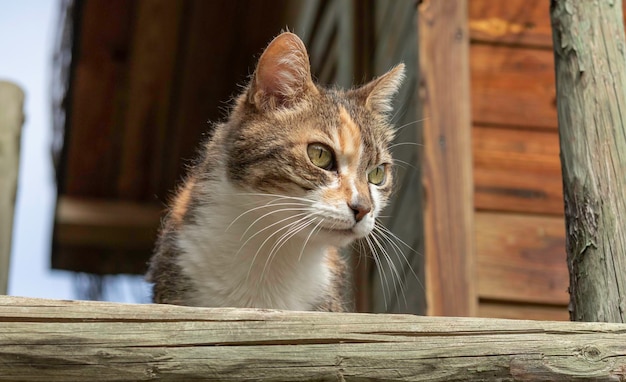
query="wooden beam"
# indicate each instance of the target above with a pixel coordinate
(11, 119)
(106, 223)
(591, 88)
(447, 164)
(77, 340)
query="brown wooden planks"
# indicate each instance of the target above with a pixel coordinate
(150, 78)
(523, 311)
(447, 165)
(512, 86)
(517, 170)
(522, 22)
(521, 258)
(515, 22)
(98, 90)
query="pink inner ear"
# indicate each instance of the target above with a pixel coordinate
(283, 72)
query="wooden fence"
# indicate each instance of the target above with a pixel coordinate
(51, 340)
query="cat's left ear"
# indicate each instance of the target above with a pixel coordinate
(283, 75)
(379, 93)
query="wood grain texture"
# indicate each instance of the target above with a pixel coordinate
(92, 141)
(517, 311)
(11, 119)
(151, 67)
(516, 22)
(517, 170)
(512, 86)
(591, 85)
(447, 161)
(521, 258)
(47, 340)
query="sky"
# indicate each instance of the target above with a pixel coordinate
(27, 33)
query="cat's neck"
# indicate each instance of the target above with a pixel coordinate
(238, 252)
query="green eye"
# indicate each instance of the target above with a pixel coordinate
(321, 156)
(377, 176)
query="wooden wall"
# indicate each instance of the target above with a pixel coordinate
(520, 230)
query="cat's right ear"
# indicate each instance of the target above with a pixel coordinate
(283, 75)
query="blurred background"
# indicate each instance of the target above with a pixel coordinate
(120, 93)
(29, 33)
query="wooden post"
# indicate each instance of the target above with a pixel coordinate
(11, 119)
(47, 340)
(590, 61)
(447, 162)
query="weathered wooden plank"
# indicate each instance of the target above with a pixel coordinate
(512, 86)
(46, 340)
(519, 22)
(106, 223)
(516, 22)
(521, 258)
(591, 84)
(11, 119)
(447, 162)
(517, 170)
(106, 229)
(517, 311)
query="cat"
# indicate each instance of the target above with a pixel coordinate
(295, 173)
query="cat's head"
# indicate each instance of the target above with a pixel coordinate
(324, 149)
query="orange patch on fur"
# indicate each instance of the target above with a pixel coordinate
(181, 202)
(349, 135)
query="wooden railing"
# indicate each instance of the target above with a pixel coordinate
(48, 340)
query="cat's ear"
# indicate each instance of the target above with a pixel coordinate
(379, 93)
(283, 74)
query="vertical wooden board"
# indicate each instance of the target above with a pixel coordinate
(11, 119)
(447, 167)
(151, 72)
(98, 87)
(521, 258)
(513, 86)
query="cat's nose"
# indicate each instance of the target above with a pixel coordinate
(360, 210)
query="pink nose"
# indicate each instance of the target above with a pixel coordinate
(360, 210)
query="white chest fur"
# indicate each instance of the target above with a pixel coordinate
(226, 254)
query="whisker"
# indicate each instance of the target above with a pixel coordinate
(267, 205)
(269, 237)
(392, 268)
(390, 235)
(268, 227)
(404, 144)
(381, 271)
(404, 162)
(397, 129)
(268, 214)
(293, 230)
(308, 238)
